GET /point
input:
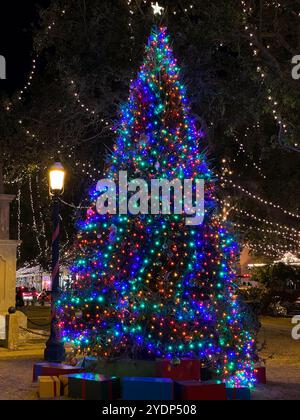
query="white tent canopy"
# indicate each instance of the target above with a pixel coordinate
(30, 271)
(289, 259)
(37, 270)
(36, 276)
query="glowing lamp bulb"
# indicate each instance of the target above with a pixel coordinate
(57, 178)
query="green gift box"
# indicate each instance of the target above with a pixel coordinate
(90, 364)
(127, 367)
(91, 386)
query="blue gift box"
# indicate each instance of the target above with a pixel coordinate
(157, 389)
(238, 394)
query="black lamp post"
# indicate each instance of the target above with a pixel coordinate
(55, 351)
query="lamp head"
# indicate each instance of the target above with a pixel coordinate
(57, 179)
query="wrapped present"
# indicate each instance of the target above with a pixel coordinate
(90, 364)
(260, 375)
(197, 391)
(158, 389)
(74, 361)
(64, 385)
(53, 369)
(37, 369)
(238, 394)
(185, 370)
(205, 374)
(48, 387)
(91, 386)
(126, 367)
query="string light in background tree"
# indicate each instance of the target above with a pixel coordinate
(34, 222)
(295, 239)
(244, 151)
(28, 83)
(278, 248)
(250, 31)
(292, 230)
(19, 222)
(256, 249)
(86, 108)
(258, 198)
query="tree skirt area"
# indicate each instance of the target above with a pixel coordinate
(283, 370)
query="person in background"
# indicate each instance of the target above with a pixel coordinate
(34, 296)
(19, 298)
(43, 297)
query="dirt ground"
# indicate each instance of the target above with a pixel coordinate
(283, 370)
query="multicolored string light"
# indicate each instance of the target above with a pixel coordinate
(148, 286)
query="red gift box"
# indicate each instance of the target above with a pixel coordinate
(53, 369)
(260, 375)
(186, 370)
(196, 391)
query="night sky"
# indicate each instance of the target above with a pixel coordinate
(16, 39)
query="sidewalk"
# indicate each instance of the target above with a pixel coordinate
(35, 350)
(16, 378)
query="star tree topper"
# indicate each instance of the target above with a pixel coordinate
(157, 9)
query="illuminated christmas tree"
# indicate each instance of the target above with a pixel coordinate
(151, 285)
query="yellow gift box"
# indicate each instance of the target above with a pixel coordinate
(49, 387)
(64, 385)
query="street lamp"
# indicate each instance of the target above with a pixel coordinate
(55, 351)
(56, 179)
